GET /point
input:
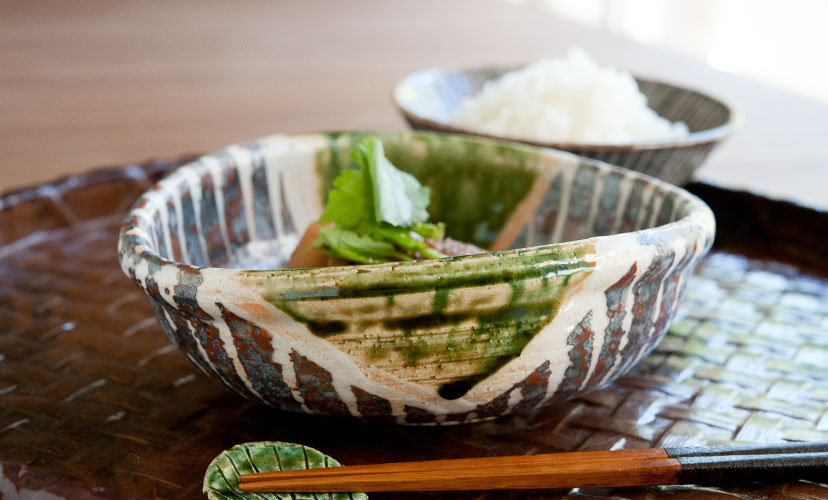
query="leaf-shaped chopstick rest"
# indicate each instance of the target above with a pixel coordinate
(221, 481)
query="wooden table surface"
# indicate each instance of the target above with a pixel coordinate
(94, 83)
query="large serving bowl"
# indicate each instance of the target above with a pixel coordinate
(427, 99)
(594, 264)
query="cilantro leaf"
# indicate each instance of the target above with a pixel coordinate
(351, 246)
(405, 238)
(350, 202)
(399, 199)
(378, 212)
(429, 230)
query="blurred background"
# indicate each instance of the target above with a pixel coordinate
(92, 83)
(781, 44)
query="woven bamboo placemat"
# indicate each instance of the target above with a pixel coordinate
(93, 393)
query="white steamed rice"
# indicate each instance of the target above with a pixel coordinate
(569, 100)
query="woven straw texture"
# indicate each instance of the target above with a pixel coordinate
(92, 391)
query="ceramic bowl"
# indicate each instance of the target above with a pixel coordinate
(593, 264)
(428, 98)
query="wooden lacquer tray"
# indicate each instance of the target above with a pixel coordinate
(95, 402)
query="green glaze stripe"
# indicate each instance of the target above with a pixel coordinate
(458, 272)
(484, 339)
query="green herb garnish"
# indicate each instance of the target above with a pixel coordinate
(378, 211)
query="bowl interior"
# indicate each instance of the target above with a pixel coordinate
(247, 206)
(434, 95)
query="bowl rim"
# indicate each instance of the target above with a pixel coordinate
(735, 122)
(698, 215)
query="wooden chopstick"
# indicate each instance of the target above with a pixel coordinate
(554, 475)
(654, 466)
(542, 460)
(453, 464)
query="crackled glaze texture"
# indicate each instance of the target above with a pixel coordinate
(591, 262)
